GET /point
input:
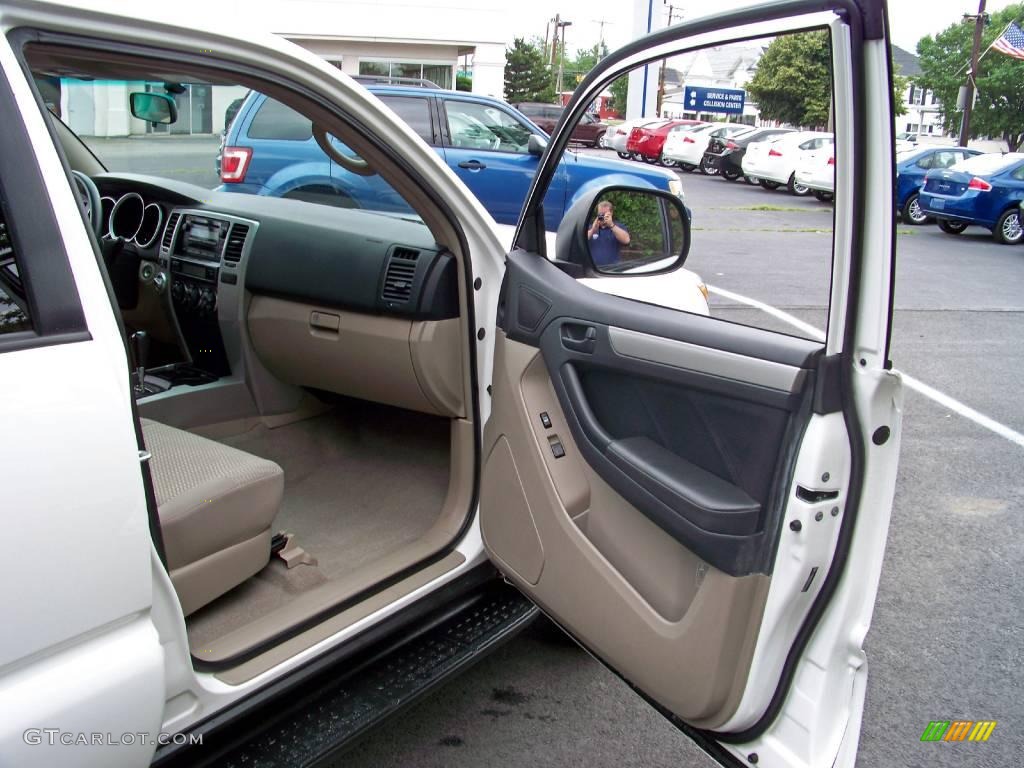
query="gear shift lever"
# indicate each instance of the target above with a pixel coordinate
(140, 354)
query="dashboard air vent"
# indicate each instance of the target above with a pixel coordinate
(169, 231)
(236, 242)
(400, 275)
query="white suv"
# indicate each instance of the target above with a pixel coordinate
(266, 457)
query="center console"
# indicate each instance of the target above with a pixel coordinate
(196, 248)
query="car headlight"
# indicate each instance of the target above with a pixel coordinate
(675, 186)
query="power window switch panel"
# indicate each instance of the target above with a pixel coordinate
(545, 420)
(557, 449)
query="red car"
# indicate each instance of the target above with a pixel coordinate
(645, 142)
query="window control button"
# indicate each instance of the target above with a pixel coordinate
(545, 420)
(557, 450)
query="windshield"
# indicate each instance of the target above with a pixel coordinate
(219, 136)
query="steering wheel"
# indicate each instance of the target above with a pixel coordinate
(91, 201)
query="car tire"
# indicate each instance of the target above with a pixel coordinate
(668, 162)
(708, 167)
(796, 188)
(599, 140)
(730, 175)
(687, 167)
(824, 197)
(623, 155)
(912, 213)
(752, 180)
(1009, 229)
(769, 184)
(649, 160)
(952, 227)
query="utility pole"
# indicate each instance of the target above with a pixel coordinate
(600, 37)
(965, 120)
(664, 64)
(560, 52)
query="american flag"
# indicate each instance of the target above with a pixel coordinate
(1011, 42)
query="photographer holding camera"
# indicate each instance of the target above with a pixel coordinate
(606, 235)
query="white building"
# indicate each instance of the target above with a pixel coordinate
(396, 38)
(923, 111)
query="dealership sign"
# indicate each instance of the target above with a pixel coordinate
(727, 101)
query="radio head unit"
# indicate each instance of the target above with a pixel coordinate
(202, 237)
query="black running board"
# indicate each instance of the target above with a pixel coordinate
(310, 730)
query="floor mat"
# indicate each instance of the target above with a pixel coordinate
(359, 484)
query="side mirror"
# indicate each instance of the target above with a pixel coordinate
(536, 145)
(625, 231)
(153, 107)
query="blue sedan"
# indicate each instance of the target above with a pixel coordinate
(911, 167)
(985, 190)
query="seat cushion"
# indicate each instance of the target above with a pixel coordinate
(210, 498)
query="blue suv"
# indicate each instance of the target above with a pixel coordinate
(269, 149)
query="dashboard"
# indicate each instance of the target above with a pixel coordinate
(286, 280)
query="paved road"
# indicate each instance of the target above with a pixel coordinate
(948, 632)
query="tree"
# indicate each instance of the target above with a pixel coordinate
(526, 76)
(945, 58)
(793, 82)
(620, 93)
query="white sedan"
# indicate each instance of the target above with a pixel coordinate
(685, 146)
(775, 162)
(817, 172)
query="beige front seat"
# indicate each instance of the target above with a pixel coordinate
(216, 506)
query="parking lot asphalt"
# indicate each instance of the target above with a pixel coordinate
(948, 631)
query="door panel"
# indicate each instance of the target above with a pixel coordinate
(557, 516)
(668, 411)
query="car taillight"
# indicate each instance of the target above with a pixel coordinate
(688, 140)
(831, 161)
(980, 184)
(731, 145)
(234, 162)
(774, 153)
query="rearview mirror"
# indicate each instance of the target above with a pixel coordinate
(624, 231)
(153, 108)
(536, 145)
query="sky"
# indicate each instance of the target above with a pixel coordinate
(910, 20)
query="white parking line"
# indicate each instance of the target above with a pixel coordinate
(918, 386)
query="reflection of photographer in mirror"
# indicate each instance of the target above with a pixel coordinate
(606, 236)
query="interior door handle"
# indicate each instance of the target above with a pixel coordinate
(579, 338)
(473, 165)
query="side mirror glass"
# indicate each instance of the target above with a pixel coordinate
(536, 145)
(153, 108)
(625, 231)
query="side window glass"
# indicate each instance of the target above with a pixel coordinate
(770, 192)
(483, 126)
(279, 121)
(14, 314)
(1019, 173)
(414, 111)
(928, 161)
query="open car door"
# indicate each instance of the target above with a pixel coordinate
(703, 505)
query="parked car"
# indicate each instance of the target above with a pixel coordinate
(645, 141)
(985, 190)
(817, 172)
(492, 147)
(618, 135)
(385, 441)
(774, 161)
(589, 131)
(725, 154)
(911, 168)
(685, 145)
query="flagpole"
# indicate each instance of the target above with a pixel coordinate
(994, 39)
